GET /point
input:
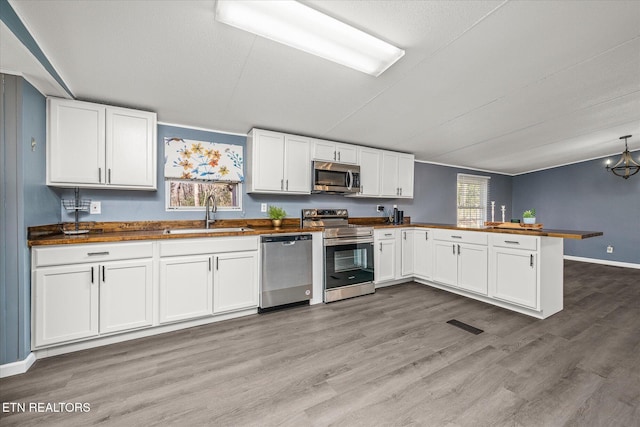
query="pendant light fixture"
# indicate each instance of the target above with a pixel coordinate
(626, 166)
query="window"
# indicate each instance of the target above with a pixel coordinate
(194, 170)
(192, 195)
(473, 194)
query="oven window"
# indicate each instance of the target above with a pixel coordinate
(348, 264)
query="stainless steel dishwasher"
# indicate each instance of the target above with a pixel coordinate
(286, 270)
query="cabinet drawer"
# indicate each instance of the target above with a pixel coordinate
(208, 245)
(382, 234)
(474, 237)
(514, 241)
(75, 254)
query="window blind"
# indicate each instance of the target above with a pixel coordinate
(473, 196)
(203, 161)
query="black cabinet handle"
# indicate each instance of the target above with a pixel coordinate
(454, 248)
(513, 242)
(531, 260)
(103, 276)
(97, 253)
(458, 249)
(91, 274)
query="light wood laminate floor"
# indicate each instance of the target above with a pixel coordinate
(384, 359)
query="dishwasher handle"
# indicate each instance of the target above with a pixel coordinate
(289, 239)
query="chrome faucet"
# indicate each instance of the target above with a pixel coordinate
(211, 205)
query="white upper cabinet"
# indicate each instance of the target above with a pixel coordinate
(98, 146)
(331, 151)
(278, 163)
(370, 161)
(397, 175)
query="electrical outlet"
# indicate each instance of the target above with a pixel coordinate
(379, 208)
(610, 249)
(263, 207)
(96, 208)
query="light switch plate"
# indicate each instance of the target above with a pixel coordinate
(96, 208)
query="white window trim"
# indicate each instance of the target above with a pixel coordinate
(488, 193)
(168, 208)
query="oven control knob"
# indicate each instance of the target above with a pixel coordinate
(307, 292)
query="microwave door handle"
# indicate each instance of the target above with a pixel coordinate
(349, 179)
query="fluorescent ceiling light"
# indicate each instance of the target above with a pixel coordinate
(304, 28)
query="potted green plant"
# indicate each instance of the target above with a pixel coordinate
(529, 216)
(276, 214)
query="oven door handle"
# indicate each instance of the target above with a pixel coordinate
(339, 242)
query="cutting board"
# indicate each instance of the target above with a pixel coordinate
(513, 225)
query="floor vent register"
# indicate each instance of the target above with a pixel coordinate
(464, 326)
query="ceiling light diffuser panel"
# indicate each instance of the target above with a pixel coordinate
(299, 26)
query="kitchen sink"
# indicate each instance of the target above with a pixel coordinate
(207, 230)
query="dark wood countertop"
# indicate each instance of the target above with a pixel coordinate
(104, 232)
(545, 232)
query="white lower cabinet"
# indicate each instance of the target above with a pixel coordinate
(461, 260)
(88, 291)
(201, 277)
(73, 302)
(126, 295)
(516, 277)
(65, 304)
(185, 288)
(384, 244)
(514, 268)
(422, 253)
(407, 263)
(235, 281)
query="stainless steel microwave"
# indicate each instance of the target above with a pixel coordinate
(329, 177)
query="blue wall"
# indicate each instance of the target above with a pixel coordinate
(27, 202)
(585, 196)
(436, 189)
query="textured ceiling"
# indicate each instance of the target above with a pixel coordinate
(510, 86)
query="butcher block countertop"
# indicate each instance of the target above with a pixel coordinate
(546, 232)
(101, 232)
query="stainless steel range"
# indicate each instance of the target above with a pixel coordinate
(348, 253)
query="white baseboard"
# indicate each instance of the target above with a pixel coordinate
(17, 368)
(603, 261)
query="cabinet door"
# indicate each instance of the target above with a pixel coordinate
(407, 263)
(75, 143)
(347, 153)
(268, 161)
(325, 150)
(445, 266)
(125, 295)
(65, 303)
(297, 165)
(405, 175)
(185, 288)
(235, 281)
(389, 178)
(516, 276)
(472, 268)
(423, 254)
(385, 260)
(370, 161)
(131, 148)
